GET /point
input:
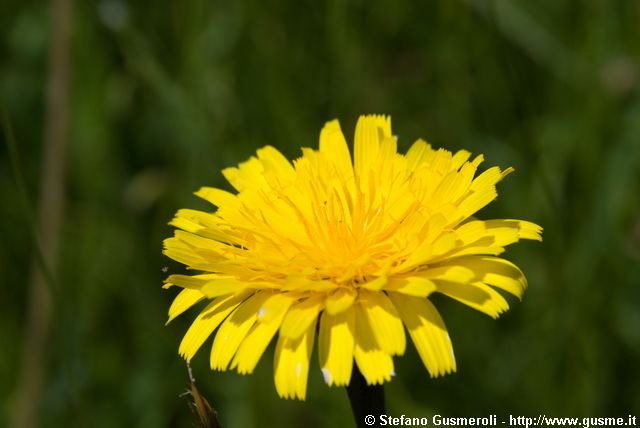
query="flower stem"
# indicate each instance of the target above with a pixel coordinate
(365, 399)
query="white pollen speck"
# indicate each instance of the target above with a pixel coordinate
(327, 375)
(262, 312)
(298, 369)
(393, 373)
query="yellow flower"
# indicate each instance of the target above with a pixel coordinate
(356, 248)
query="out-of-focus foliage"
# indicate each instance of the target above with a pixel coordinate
(166, 94)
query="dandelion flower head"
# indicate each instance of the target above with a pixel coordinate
(345, 249)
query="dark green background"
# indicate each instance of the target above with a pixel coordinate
(165, 94)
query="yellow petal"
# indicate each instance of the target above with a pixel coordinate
(340, 300)
(494, 232)
(375, 365)
(441, 162)
(489, 178)
(183, 301)
(234, 329)
(471, 231)
(476, 295)
(428, 333)
(524, 229)
(248, 175)
(212, 285)
(334, 146)
(494, 271)
(179, 251)
(370, 130)
(301, 315)
(194, 282)
(419, 153)
(385, 321)
(204, 246)
(200, 223)
(476, 201)
(291, 363)
(294, 282)
(450, 272)
(411, 285)
(335, 346)
(388, 151)
(224, 286)
(445, 243)
(270, 317)
(205, 323)
(218, 197)
(275, 307)
(491, 236)
(459, 158)
(529, 230)
(276, 166)
(453, 186)
(376, 284)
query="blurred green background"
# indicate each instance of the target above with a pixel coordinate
(166, 94)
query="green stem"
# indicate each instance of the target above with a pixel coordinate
(366, 400)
